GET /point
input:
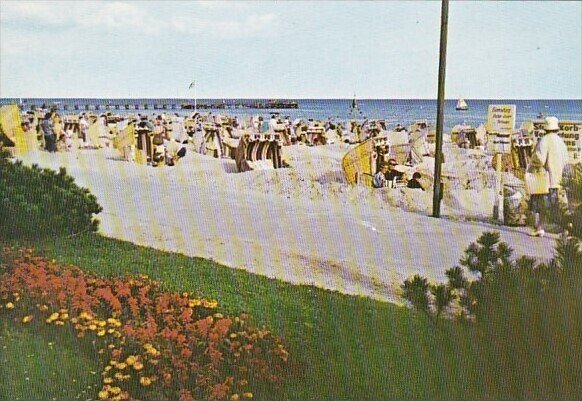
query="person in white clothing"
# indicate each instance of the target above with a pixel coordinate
(550, 154)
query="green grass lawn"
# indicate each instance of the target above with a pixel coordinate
(341, 347)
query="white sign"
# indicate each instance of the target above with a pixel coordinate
(502, 143)
(570, 132)
(501, 118)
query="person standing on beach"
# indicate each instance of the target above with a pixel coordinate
(83, 128)
(50, 138)
(550, 154)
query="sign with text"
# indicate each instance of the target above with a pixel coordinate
(501, 118)
(570, 132)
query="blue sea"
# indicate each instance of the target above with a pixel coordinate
(403, 111)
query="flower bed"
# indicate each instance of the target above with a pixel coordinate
(153, 344)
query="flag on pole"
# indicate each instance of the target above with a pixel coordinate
(192, 84)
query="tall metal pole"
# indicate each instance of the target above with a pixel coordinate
(437, 193)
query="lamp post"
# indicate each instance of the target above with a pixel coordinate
(193, 85)
(437, 193)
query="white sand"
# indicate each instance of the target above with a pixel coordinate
(302, 224)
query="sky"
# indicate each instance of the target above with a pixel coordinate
(289, 49)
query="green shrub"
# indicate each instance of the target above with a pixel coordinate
(573, 185)
(37, 202)
(525, 315)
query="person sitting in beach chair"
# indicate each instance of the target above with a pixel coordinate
(414, 183)
(379, 180)
(174, 152)
(394, 176)
(392, 172)
(159, 155)
(144, 145)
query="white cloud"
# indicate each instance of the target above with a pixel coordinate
(119, 15)
(225, 28)
(138, 17)
(43, 12)
(224, 5)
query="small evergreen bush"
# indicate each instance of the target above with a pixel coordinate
(525, 315)
(36, 202)
(573, 185)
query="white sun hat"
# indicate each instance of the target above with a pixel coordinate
(551, 124)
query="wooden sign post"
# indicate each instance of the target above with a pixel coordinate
(501, 124)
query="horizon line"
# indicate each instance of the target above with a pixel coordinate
(282, 98)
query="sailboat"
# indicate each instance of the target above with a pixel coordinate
(462, 105)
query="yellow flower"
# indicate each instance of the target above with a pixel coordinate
(115, 390)
(64, 316)
(145, 381)
(210, 304)
(54, 316)
(234, 397)
(92, 327)
(248, 395)
(194, 302)
(218, 315)
(111, 331)
(27, 319)
(108, 380)
(119, 376)
(86, 316)
(103, 395)
(43, 308)
(121, 366)
(147, 346)
(130, 360)
(233, 335)
(60, 323)
(138, 365)
(101, 323)
(100, 333)
(107, 368)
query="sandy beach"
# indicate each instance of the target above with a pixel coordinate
(302, 224)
